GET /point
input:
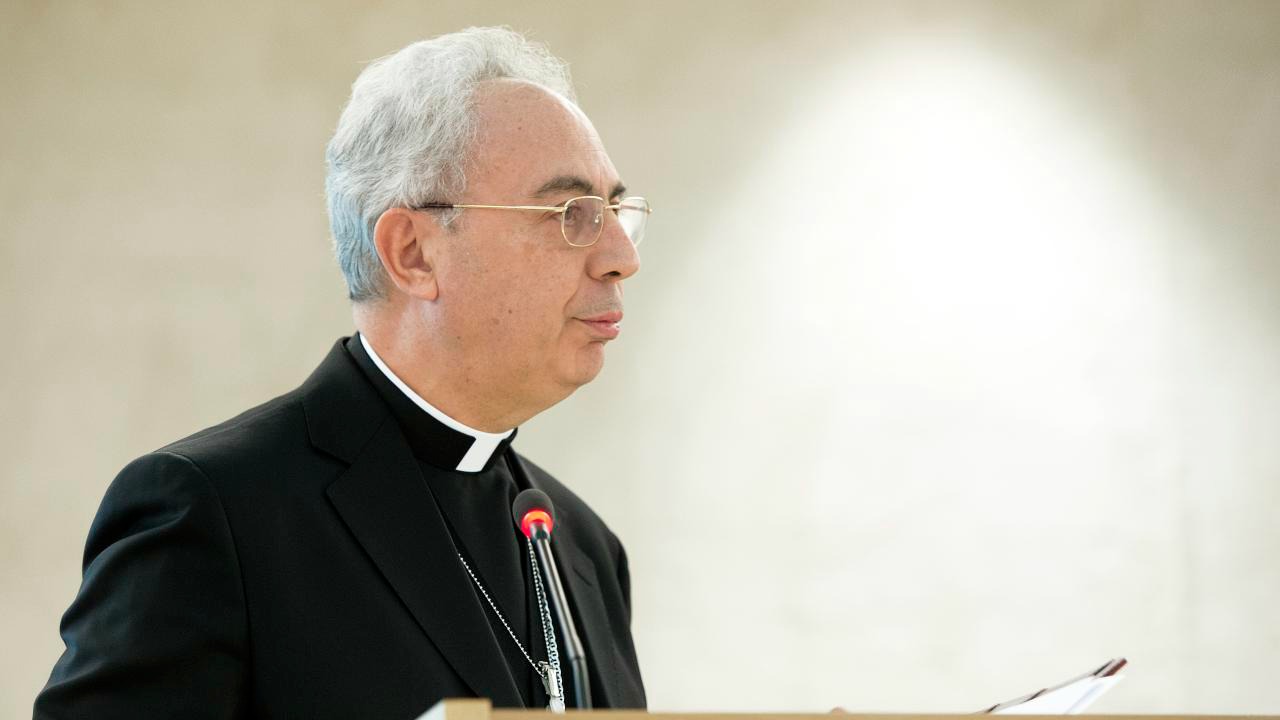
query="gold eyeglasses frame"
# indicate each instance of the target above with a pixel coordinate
(560, 209)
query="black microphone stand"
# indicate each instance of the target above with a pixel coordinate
(560, 606)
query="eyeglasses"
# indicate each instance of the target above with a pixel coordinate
(581, 218)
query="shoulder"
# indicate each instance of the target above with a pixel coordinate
(257, 432)
(265, 447)
(189, 469)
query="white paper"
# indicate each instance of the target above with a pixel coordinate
(1100, 685)
(1069, 699)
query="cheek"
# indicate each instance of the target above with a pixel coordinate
(523, 314)
(529, 307)
(513, 296)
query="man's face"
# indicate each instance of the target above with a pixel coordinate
(525, 311)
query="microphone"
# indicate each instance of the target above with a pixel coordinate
(533, 512)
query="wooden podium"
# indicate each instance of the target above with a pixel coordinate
(473, 709)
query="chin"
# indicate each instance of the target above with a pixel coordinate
(587, 364)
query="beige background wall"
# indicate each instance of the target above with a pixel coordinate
(953, 369)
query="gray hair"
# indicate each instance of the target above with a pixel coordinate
(403, 138)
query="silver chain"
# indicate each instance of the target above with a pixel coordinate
(553, 651)
(497, 612)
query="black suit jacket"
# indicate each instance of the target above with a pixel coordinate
(292, 563)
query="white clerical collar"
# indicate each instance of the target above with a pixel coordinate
(484, 445)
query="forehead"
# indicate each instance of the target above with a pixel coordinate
(527, 135)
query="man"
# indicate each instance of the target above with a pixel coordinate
(347, 549)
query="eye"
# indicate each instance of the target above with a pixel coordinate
(573, 214)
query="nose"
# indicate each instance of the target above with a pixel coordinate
(613, 256)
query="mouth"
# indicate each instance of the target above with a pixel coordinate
(605, 326)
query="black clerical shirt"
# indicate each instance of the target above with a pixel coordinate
(477, 508)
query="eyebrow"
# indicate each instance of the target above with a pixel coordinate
(576, 184)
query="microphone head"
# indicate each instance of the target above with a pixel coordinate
(532, 506)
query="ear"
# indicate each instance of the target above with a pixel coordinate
(404, 239)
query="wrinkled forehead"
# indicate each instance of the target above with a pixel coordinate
(526, 135)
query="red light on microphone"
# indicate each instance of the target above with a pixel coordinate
(535, 516)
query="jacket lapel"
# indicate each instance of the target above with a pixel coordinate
(385, 502)
(592, 619)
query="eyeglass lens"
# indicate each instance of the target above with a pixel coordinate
(583, 219)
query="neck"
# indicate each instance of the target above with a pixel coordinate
(454, 387)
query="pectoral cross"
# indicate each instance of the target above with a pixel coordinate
(551, 681)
